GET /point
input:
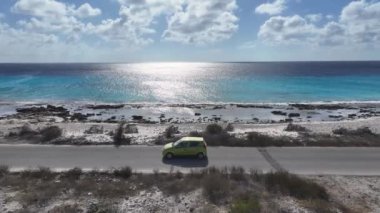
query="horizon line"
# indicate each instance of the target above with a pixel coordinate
(142, 62)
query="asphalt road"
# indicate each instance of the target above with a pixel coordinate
(300, 160)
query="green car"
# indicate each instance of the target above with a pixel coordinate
(187, 146)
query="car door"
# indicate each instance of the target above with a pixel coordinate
(181, 148)
(193, 147)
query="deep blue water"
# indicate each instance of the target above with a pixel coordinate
(192, 82)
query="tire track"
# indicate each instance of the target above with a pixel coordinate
(275, 165)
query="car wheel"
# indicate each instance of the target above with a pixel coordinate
(200, 155)
(169, 156)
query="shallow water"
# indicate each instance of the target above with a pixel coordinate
(191, 82)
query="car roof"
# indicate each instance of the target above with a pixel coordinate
(200, 139)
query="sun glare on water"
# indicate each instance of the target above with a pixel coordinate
(170, 82)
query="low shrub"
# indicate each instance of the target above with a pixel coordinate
(256, 175)
(364, 131)
(295, 128)
(66, 208)
(295, 186)
(324, 206)
(214, 129)
(87, 184)
(123, 172)
(43, 173)
(221, 139)
(119, 137)
(102, 207)
(27, 131)
(50, 133)
(161, 140)
(253, 139)
(215, 185)
(229, 128)
(39, 194)
(111, 190)
(131, 129)
(73, 174)
(237, 173)
(195, 134)
(95, 129)
(256, 139)
(170, 131)
(3, 170)
(175, 186)
(246, 204)
(260, 140)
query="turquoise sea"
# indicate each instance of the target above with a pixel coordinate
(261, 82)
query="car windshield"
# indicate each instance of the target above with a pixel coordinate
(177, 142)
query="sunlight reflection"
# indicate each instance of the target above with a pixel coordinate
(168, 82)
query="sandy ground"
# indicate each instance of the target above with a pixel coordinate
(358, 194)
(147, 133)
(153, 119)
(361, 194)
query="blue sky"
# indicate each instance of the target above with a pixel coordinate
(188, 30)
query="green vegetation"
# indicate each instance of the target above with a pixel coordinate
(246, 204)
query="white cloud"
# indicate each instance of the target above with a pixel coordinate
(51, 16)
(136, 21)
(21, 41)
(40, 8)
(358, 25)
(362, 21)
(189, 21)
(202, 22)
(274, 8)
(314, 17)
(86, 10)
(287, 29)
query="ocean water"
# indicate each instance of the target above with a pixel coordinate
(279, 82)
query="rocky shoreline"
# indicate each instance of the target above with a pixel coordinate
(86, 124)
(194, 113)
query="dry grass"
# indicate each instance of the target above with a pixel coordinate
(231, 187)
(66, 208)
(289, 184)
(215, 186)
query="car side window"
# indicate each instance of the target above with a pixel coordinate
(181, 145)
(194, 144)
